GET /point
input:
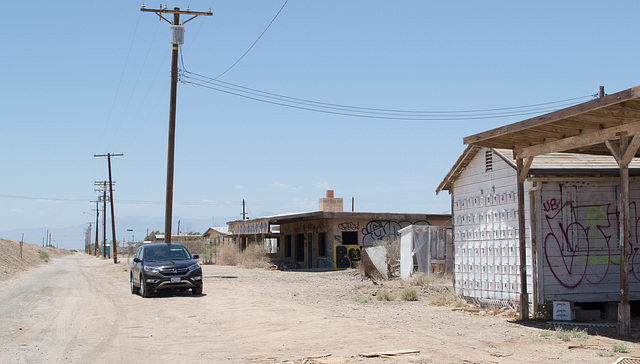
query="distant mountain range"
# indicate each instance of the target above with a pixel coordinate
(73, 237)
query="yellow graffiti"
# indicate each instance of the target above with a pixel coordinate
(346, 256)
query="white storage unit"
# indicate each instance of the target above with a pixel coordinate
(575, 217)
(486, 230)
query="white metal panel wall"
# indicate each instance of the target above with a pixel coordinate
(579, 236)
(485, 217)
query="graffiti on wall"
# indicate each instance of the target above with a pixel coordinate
(581, 245)
(346, 256)
(348, 226)
(386, 230)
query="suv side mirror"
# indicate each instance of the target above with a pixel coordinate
(196, 256)
(137, 260)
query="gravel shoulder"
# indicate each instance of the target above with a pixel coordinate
(78, 308)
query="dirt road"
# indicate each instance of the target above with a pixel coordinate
(79, 309)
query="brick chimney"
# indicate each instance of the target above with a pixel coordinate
(330, 203)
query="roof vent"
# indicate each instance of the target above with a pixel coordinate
(488, 160)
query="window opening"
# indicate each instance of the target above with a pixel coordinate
(322, 244)
(350, 237)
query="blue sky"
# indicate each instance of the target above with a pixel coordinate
(81, 78)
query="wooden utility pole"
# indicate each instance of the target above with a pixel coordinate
(114, 245)
(177, 38)
(95, 248)
(244, 214)
(104, 221)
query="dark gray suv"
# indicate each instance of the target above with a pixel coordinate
(164, 266)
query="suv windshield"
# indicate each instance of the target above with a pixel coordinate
(168, 252)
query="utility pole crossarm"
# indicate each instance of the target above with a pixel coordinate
(109, 154)
(177, 11)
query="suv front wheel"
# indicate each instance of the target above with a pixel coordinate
(134, 289)
(144, 292)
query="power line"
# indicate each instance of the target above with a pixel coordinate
(256, 42)
(199, 80)
(137, 81)
(126, 62)
(399, 115)
(252, 91)
(121, 202)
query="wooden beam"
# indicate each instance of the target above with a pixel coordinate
(588, 106)
(525, 169)
(578, 141)
(632, 149)
(615, 151)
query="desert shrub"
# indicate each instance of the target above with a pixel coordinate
(567, 335)
(620, 348)
(409, 294)
(227, 254)
(44, 256)
(422, 279)
(447, 297)
(363, 299)
(545, 311)
(546, 333)
(385, 296)
(208, 253)
(254, 256)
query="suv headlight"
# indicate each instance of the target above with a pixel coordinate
(194, 267)
(151, 269)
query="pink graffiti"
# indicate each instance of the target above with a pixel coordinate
(550, 205)
(578, 235)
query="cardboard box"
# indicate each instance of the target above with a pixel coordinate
(563, 311)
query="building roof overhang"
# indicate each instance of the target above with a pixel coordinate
(584, 128)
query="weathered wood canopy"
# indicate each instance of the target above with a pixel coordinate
(608, 125)
(582, 128)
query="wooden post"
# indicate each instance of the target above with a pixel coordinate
(624, 309)
(623, 154)
(524, 295)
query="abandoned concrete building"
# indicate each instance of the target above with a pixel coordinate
(328, 238)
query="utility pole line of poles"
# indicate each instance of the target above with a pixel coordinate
(97, 210)
(114, 245)
(102, 187)
(177, 38)
(87, 240)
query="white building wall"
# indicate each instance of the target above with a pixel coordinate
(485, 218)
(578, 241)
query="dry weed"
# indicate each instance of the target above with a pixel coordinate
(447, 297)
(422, 279)
(254, 256)
(227, 254)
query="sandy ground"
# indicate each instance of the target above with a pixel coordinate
(13, 263)
(79, 308)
